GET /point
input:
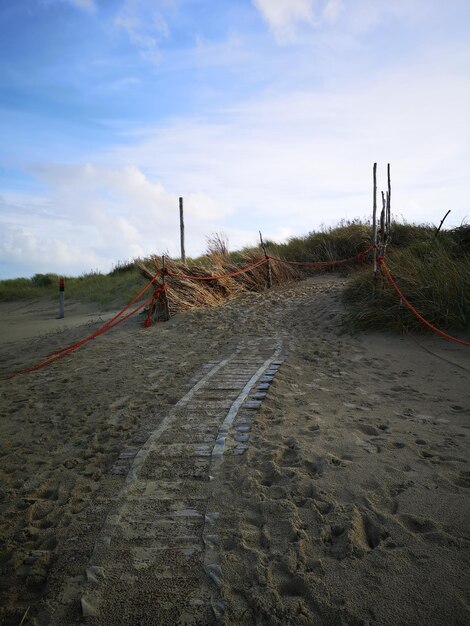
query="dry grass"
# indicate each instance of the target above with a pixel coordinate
(187, 293)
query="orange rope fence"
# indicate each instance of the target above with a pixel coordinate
(208, 278)
(114, 321)
(68, 350)
(161, 289)
(388, 274)
(357, 257)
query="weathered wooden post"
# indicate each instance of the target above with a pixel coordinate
(389, 202)
(61, 298)
(183, 253)
(382, 219)
(270, 277)
(374, 220)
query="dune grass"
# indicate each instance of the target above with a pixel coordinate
(433, 274)
(108, 290)
(327, 244)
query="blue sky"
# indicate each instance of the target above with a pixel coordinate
(263, 114)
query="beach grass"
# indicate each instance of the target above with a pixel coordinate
(433, 275)
(109, 290)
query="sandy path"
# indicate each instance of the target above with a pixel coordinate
(349, 505)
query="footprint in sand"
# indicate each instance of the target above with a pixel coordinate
(417, 525)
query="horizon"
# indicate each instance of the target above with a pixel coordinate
(262, 115)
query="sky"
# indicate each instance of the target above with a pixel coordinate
(262, 114)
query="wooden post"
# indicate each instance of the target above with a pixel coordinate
(183, 253)
(270, 277)
(382, 221)
(374, 219)
(389, 202)
(61, 298)
(384, 224)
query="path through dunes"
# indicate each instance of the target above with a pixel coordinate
(347, 506)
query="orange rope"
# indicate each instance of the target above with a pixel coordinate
(242, 271)
(358, 257)
(110, 322)
(413, 310)
(75, 346)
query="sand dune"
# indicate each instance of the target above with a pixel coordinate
(341, 497)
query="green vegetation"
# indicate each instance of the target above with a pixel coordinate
(109, 290)
(328, 244)
(433, 273)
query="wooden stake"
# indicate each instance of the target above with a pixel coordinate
(442, 221)
(382, 220)
(270, 278)
(389, 203)
(183, 253)
(374, 219)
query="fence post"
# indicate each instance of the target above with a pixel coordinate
(389, 203)
(383, 226)
(270, 277)
(61, 298)
(183, 253)
(374, 219)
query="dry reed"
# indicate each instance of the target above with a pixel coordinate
(185, 293)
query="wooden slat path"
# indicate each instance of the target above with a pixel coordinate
(156, 560)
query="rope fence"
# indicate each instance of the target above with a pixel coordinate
(161, 289)
(388, 274)
(220, 277)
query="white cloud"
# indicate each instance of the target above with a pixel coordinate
(27, 247)
(145, 26)
(283, 16)
(287, 19)
(106, 214)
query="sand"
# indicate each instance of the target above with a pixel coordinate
(341, 496)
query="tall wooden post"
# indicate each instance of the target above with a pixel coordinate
(61, 298)
(183, 253)
(374, 219)
(383, 234)
(389, 201)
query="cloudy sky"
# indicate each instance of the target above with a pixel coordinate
(263, 114)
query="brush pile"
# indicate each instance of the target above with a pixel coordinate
(184, 292)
